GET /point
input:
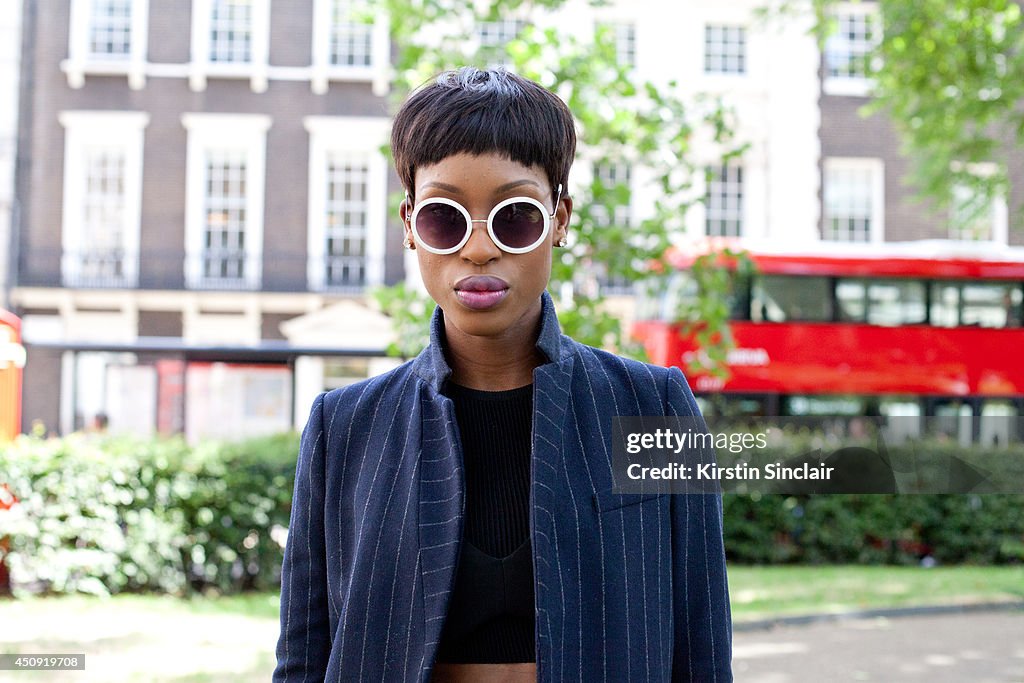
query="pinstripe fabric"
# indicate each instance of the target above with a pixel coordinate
(629, 587)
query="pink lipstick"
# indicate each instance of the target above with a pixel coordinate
(480, 292)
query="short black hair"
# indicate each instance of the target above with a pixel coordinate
(477, 111)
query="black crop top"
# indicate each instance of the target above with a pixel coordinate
(491, 612)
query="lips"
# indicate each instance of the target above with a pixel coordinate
(480, 292)
(481, 283)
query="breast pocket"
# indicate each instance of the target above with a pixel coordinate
(607, 500)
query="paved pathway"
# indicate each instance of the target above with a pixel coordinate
(951, 648)
(126, 645)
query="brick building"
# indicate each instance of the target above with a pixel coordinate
(192, 176)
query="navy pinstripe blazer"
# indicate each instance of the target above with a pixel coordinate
(628, 587)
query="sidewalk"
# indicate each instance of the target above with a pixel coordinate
(883, 612)
(969, 645)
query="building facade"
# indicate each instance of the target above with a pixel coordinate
(864, 195)
(766, 72)
(10, 72)
(195, 174)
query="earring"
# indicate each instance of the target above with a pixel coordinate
(407, 244)
(562, 242)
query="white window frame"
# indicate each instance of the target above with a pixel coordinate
(323, 72)
(477, 43)
(999, 212)
(855, 86)
(108, 128)
(200, 66)
(626, 43)
(603, 171)
(347, 135)
(624, 215)
(624, 35)
(741, 217)
(745, 54)
(236, 132)
(877, 169)
(82, 61)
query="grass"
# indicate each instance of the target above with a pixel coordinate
(760, 592)
(132, 637)
(255, 605)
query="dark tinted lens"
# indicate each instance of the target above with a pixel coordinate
(441, 226)
(518, 225)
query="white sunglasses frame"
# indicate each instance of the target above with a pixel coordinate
(548, 219)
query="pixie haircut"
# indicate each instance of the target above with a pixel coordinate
(478, 112)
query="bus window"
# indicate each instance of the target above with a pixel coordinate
(731, 406)
(953, 420)
(782, 298)
(990, 304)
(999, 423)
(796, 405)
(896, 302)
(852, 300)
(976, 304)
(682, 289)
(905, 406)
(739, 297)
(1015, 311)
(881, 302)
(945, 309)
(903, 418)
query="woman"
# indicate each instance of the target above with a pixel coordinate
(453, 519)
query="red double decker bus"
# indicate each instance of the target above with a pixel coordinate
(12, 360)
(916, 328)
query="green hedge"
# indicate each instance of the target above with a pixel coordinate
(874, 529)
(105, 515)
(884, 529)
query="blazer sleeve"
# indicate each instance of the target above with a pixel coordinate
(303, 647)
(702, 649)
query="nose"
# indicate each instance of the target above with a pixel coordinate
(480, 248)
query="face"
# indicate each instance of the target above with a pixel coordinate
(509, 304)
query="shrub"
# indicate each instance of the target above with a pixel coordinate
(874, 529)
(105, 515)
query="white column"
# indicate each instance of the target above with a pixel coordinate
(309, 382)
(200, 44)
(140, 44)
(260, 45)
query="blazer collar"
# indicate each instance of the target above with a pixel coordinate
(431, 365)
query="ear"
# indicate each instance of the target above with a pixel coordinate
(562, 215)
(405, 213)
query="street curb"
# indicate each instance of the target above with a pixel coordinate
(892, 612)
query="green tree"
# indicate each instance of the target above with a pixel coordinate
(621, 122)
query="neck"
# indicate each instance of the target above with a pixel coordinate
(497, 363)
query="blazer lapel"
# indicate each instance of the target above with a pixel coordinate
(441, 489)
(551, 402)
(441, 506)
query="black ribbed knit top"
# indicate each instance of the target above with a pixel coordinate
(491, 611)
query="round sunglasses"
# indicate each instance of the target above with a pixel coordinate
(516, 225)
